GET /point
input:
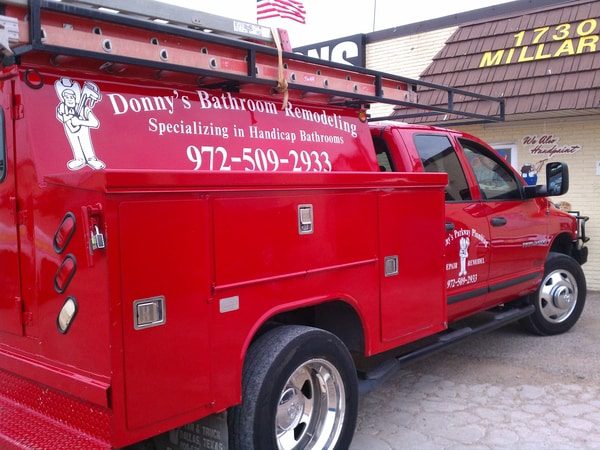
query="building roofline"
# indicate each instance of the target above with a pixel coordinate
(461, 19)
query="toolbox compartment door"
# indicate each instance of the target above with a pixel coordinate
(413, 301)
(165, 253)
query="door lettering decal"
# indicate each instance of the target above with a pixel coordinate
(466, 241)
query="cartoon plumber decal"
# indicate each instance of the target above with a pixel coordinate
(75, 113)
(463, 254)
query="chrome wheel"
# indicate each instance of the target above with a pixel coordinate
(558, 296)
(310, 411)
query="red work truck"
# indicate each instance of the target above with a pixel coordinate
(204, 242)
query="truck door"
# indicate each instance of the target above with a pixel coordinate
(10, 296)
(519, 234)
(467, 240)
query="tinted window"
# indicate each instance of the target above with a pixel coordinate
(438, 155)
(383, 155)
(2, 147)
(495, 180)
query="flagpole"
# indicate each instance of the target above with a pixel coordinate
(374, 13)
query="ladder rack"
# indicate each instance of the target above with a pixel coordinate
(155, 11)
(174, 40)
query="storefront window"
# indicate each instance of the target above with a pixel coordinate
(509, 153)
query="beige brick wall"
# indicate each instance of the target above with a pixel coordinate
(584, 190)
(406, 56)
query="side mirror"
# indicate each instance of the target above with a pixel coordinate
(557, 178)
(557, 182)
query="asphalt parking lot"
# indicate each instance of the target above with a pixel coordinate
(503, 390)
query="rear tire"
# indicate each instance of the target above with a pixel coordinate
(560, 299)
(299, 391)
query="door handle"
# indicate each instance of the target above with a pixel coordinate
(449, 227)
(498, 221)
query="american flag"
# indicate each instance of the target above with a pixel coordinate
(288, 9)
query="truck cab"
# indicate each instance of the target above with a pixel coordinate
(499, 231)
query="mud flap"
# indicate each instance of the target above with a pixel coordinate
(209, 433)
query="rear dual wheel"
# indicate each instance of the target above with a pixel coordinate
(299, 391)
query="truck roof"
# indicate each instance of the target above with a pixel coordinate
(413, 126)
(391, 124)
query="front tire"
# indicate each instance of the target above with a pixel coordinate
(299, 391)
(560, 299)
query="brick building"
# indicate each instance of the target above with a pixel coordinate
(543, 57)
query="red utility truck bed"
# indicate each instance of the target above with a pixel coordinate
(200, 240)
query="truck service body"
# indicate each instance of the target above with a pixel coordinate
(176, 244)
